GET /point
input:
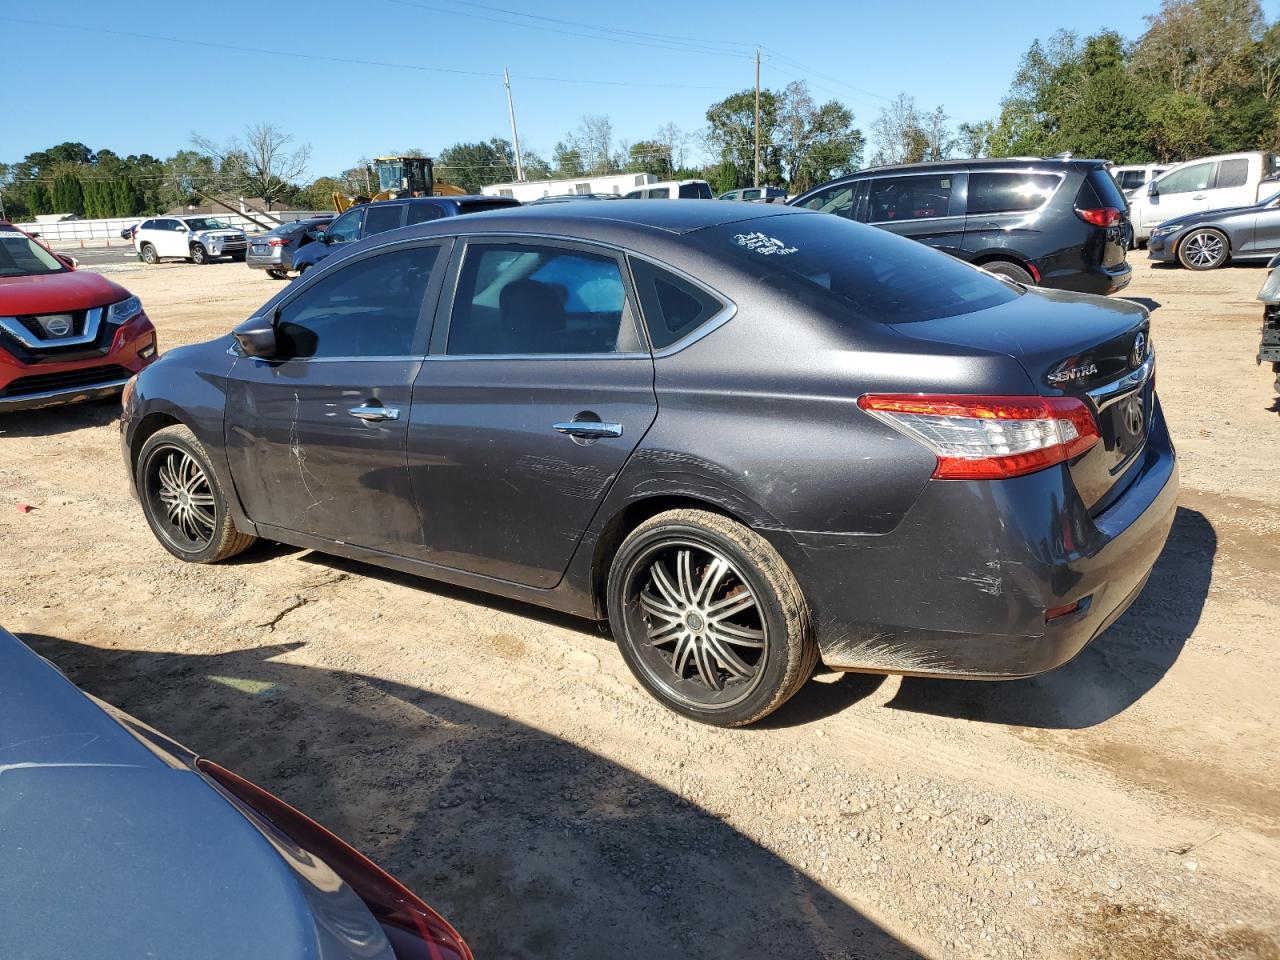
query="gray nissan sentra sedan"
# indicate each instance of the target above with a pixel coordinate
(749, 437)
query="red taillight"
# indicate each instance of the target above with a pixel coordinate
(277, 242)
(989, 438)
(415, 931)
(1100, 216)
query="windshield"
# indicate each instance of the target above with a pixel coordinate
(875, 275)
(206, 223)
(20, 256)
(390, 176)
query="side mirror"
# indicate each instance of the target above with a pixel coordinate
(1152, 189)
(257, 337)
(69, 262)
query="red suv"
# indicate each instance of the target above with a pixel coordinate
(64, 335)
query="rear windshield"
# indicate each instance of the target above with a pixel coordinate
(876, 275)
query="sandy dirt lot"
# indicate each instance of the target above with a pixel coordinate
(502, 761)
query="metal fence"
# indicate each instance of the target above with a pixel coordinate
(109, 228)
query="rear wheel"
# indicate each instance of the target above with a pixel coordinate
(1003, 268)
(184, 506)
(199, 255)
(149, 254)
(709, 618)
(1203, 250)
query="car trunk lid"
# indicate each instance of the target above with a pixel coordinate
(1093, 348)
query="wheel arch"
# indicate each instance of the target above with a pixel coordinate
(149, 425)
(1004, 256)
(627, 518)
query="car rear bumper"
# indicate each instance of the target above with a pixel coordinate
(260, 262)
(1098, 280)
(962, 586)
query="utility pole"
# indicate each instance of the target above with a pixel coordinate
(755, 179)
(515, 138)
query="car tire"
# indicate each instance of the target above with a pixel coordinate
(199, 255)
(1205, 249)
(277, 274)
(182, 500)
(709, 618)
(149, 254)
(1003, 268)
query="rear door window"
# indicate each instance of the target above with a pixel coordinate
(1232, 173)
(382, 218)
(1129, 179)
(892, 199)
(1188, 179)
(660, 193)
(695, 191)
(672, 307)
(424, 212)
(528, 299)
(1010, 192)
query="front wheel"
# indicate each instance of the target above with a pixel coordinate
(185, 507)
(199, 255)
(709, 618)
(277, 274)
(1203, 250)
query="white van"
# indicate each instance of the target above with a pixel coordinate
(1132, 176)
(672, 190)
(1210, 183)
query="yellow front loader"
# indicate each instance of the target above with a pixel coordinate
(400, 177)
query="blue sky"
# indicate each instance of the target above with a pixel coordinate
(142, 94)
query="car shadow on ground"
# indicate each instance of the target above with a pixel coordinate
(51, 421)
(534, 847)
(1110, 674)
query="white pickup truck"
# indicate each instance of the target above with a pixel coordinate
(1209, 183)
(198, 239)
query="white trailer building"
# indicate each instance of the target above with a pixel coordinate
(617, 184)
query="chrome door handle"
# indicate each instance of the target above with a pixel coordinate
(372, 414)
(1198, 196)
(588, 429)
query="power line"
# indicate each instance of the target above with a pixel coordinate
(683, 47)
(348, 60)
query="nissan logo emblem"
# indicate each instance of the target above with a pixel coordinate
(1139, 352)
(57, 326)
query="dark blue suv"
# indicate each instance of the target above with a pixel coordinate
(1055, 222)
(370, 218)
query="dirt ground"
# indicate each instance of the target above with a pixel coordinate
(502, 762)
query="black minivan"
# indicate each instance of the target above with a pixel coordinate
(1055, 222)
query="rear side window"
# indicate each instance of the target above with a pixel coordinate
(672, 307)
(423, 212)
(368, 309)
(533, 299)
(695, 191)
(380, 218)
(909, 198)
(857, 274)
(837, 200)
(1010, 192)
(1232, 173)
